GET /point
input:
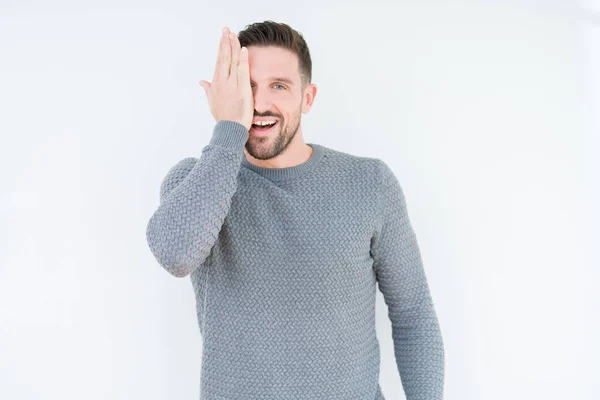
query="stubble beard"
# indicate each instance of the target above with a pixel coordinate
(265, 148)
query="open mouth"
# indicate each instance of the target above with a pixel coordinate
(263, 128)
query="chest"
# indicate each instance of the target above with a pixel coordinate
(293, 225)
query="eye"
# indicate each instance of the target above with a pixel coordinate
(280, 85)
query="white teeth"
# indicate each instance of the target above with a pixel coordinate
(262, 123)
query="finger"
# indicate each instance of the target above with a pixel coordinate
(224, 58)
(235, 55)
(218, 64)
(243, 69)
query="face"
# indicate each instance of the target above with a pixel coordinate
(277, 91)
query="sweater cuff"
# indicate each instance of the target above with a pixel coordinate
(229, 134)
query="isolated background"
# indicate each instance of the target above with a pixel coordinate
(487, 111)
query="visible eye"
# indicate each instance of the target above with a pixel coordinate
(283, 86)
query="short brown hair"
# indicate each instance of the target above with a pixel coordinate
(270, 33)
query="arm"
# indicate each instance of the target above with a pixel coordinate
(418, 345)
(195, 197)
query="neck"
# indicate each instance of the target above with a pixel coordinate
(297, 170)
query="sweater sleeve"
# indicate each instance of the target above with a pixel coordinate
(418, 345)
(195, 197)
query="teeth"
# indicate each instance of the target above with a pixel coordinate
(263, 123)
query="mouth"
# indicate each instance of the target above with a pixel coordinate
(263, 129)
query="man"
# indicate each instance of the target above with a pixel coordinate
(284, 242)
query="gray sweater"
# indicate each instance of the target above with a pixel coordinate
(284, 264)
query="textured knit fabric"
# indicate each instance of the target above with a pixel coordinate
(285, 263)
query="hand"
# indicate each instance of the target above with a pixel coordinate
(229, 94)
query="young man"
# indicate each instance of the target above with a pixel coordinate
(285, 241)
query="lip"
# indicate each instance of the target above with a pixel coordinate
(263, 133)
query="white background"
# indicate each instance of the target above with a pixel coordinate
(487, 111)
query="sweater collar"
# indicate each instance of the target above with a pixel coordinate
(288, 172)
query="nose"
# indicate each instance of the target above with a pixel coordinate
(262, 101)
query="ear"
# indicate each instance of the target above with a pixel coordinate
(308, 97)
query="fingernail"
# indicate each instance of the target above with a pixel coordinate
(225, 31)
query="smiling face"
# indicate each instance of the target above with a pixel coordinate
(278, 95)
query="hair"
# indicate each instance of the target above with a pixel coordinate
(270, 33)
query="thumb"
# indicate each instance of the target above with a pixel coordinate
(206, 86)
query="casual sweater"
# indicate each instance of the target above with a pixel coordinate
(284, 264)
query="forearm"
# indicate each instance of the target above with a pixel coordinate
(195, 199)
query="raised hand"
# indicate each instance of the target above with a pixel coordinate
(230, 95)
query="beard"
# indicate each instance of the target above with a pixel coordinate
(267, 147)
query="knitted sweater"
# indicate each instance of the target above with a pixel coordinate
(284, 264)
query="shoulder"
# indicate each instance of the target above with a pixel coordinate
(176, 174)
(180, 169)
(370, 169)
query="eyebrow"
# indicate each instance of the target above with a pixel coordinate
(279, 79)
